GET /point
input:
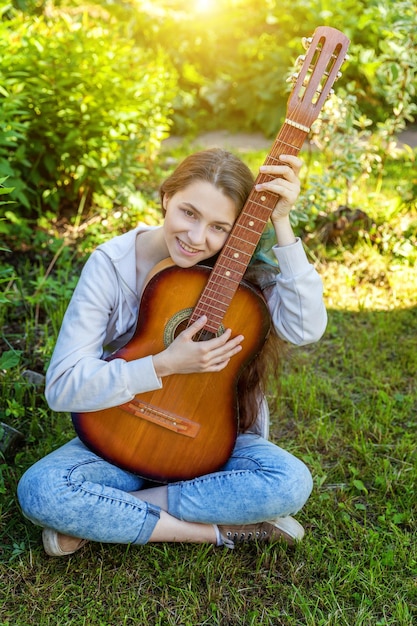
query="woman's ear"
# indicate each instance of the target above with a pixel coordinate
(164, 203)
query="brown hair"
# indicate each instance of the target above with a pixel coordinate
(216, 166)
(229, 174)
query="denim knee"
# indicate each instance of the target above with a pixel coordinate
(57, 495)
(300, 484)
(29, 494)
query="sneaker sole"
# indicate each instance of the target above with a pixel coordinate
(289, 527)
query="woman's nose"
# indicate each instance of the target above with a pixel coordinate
(196, 234)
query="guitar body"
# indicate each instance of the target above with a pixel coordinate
(189, 427)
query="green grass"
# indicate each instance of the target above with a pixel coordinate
(347, 407)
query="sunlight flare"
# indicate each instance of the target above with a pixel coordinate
(203, 6)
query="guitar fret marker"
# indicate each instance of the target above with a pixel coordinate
(236, 255)
(263, 198)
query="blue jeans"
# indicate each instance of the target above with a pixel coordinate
(77, 493)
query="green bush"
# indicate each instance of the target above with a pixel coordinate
(383, 66)
(87, 91)
(233, 59)
(82, 110)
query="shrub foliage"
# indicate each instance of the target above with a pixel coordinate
(89, 89)
(82, 109)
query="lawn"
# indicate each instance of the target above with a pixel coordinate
(346, 406)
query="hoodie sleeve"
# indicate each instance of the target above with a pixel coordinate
(78, 379)
(296, 299)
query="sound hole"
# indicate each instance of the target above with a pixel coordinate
(204, 335)
(179, 322)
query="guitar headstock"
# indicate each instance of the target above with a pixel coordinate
(326, 51)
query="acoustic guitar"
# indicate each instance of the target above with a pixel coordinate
(189, 426)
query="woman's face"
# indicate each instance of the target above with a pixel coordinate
(197, 222)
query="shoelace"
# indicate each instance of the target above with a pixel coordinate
(242, 536)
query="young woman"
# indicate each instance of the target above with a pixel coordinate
(74, 494)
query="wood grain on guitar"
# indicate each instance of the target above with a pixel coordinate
(189, 427)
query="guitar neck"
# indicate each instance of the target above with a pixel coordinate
(245, 235)
(320, 68)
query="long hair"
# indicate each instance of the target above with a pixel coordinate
(234, 179)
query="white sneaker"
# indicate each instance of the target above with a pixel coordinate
(52, 547)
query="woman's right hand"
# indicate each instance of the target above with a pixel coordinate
(185, 356)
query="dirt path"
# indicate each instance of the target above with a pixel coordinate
(409, 137)
(257, 141)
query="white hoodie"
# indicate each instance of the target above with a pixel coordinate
(102, 314)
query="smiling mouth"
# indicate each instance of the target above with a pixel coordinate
(187, 248)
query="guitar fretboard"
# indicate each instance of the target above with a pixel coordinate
(320, 68)
(244, 237)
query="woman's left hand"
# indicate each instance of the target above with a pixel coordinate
(285, 184)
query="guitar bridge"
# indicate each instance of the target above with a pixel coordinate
(165, 419)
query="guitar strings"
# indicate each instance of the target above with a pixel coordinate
(214, 291)
(217, 284)
(230, 276)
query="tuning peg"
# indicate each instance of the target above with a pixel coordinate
(338, 75)
(306, 41)
(300, 60)
(293, 78)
